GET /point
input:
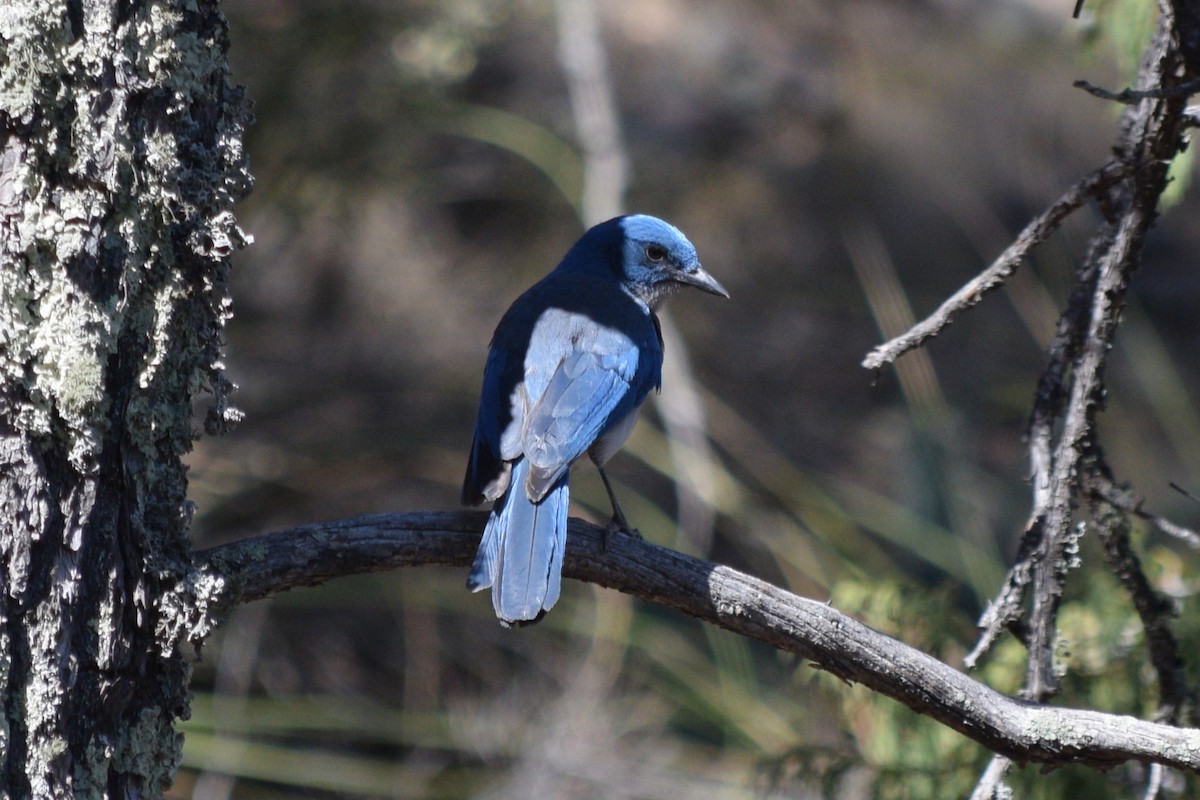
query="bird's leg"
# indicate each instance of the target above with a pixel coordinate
(618, 523)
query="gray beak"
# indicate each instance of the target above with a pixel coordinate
(703, 281)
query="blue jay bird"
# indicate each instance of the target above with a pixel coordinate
(570, 364)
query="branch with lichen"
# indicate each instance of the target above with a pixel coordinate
(259, 567)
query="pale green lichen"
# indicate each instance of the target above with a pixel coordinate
(98, 298)
(82, 387)
(30, 55)
(189, 611)
(151, 748)
(1058, 733)
(68, 354)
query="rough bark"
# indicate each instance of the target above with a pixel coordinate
(259, 567)
(120, 159)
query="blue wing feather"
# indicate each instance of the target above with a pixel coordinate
(581, 400)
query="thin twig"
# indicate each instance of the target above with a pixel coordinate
(1130, 96)
(1105, 489)
(261, 566)
(1155, 612)
(1184, 492)
(1176, 699)
(1036, 232)
(1004, 611)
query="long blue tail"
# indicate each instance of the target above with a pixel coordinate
(521, 554)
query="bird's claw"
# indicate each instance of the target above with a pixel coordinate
(619, 526)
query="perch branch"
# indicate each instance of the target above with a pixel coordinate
(259, 567)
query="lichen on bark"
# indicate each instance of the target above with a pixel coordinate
(120, 163)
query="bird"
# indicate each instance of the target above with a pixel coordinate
(569, 366)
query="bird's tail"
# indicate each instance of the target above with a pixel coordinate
(521, 554)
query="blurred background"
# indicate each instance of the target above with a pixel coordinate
(841, 168)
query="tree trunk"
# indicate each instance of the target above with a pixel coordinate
(120, 161)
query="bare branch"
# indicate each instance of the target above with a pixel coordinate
(259, 567)
(1036, 232)
(1176, 698)
(1154, 610)
(1050, 558)
(1071, 388)
(1149, 137)
(1004, 612)
(1109, 506)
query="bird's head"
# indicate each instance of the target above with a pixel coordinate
(656, 259)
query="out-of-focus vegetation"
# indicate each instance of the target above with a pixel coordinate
(840, 167)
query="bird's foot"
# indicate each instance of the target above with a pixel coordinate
(619, 525)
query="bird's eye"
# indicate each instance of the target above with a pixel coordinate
(656, 252)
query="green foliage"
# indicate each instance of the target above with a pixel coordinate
(913, 757)
(1124, 26)
(1102, 659)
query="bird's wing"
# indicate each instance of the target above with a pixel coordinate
(589, 390)
(502, 407)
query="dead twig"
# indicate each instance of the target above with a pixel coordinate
(1036, 232)
(1129, 96)
(1105, 489)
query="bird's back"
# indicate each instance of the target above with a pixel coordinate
(568, 311)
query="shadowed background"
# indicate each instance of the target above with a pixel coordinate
(836, 165)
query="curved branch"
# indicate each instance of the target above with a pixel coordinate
(259, 567)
